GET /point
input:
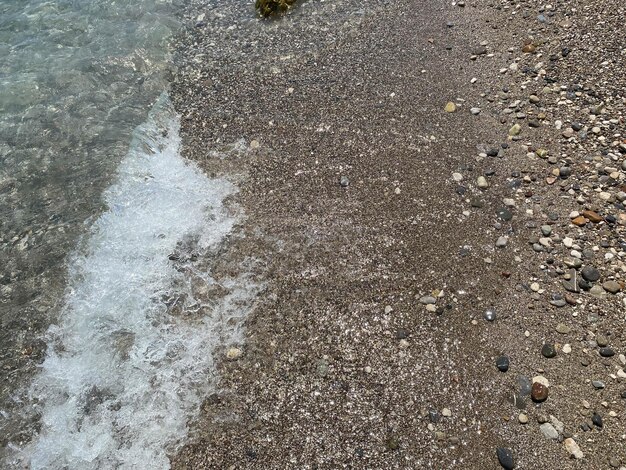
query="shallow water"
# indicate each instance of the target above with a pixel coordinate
(131, 354)
(76, 78)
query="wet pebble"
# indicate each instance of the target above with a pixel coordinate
(590, 273)
(596, 419)
(548, 350)
(606, 352)
(502, 363)
(489, 315)
(505, 457)
(539, 392)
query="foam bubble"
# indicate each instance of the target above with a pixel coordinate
(124, 374)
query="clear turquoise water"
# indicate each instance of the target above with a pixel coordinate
(76, 78)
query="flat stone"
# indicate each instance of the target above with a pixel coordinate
(501, 242)
(505, 457)
(524, 385)
(450, 107)
(571, 284)
(482, 183)
(515, 130)
(563, 328)
(592, 216)
(579, 221)
(546, 230)
(504, 214)
(598, 384)
(598, 292)
(572, 447)
(558, 424)
(427, 300)
(548, 431)
(606, 352)
(612, 286)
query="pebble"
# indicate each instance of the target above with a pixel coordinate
(572, 447)
(522, 418)
(606, 352)
(548, 431)
(524, 385)
(602, 340)
(505, 457)
(567, 348)
(539, 392)
(234, 354)
(563, 328)
(612, 286)
(596, 419)
(344, 181)
(590, 273)
(489, 315)
(501, 242)
(427, 300)
(446, 412)
(515, 130)
(482, 183)
(475, 111)
(450, 107)
(548, 350)
(502, 363)
(598, 384)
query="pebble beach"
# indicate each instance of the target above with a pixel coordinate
(434, 202)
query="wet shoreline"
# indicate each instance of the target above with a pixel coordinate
(387, 228)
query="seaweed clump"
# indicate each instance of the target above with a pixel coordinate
(267, 8)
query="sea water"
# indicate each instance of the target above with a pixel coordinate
(108, 333)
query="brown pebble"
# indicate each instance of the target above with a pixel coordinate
(539, 392)
(580, 221)
(593, 216)
(528, 48)
(570, 299)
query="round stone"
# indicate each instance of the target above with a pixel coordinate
(523, 418)
(590, 274)
(490, 314)
(606, 352)
(548, 350)
(502, 363)
(539, 392)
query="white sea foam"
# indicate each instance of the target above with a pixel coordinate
(123, 374)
